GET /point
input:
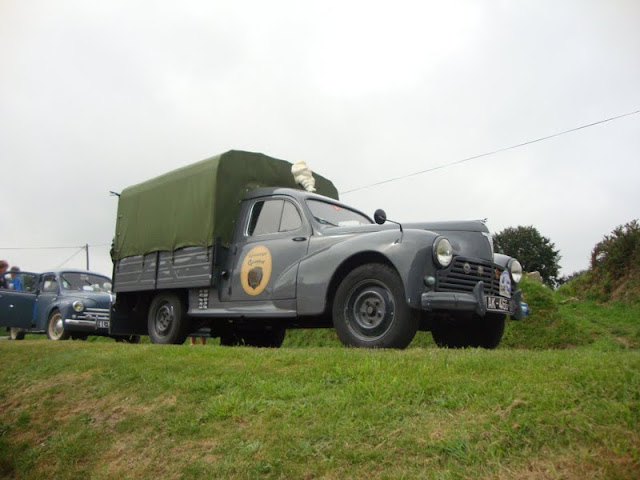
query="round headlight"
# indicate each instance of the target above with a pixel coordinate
(443, 252)
(516, 270)
(78, 306)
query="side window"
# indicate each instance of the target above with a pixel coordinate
(265, 217)
(290, 218)
(49, 284)
(23, 282)
(30, 282)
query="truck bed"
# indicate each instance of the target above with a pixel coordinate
(185, 268)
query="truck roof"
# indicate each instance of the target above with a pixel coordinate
(193, 205)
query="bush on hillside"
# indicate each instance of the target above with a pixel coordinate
(544, 327)
(615, 269)
(615, 264)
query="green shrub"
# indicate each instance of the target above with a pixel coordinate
(544, 327)
(615, 265)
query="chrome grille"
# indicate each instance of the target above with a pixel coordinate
(464, 273)
(94, 314)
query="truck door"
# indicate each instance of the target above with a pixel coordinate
(265, 261)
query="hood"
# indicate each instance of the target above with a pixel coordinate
(100, 299)
(329, 231)
(450, 226)
(470, 238)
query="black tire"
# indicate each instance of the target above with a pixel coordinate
(470, 332)
(55, 327)
(262, 338)
(167, 321)
(15, 334)
(370, 310)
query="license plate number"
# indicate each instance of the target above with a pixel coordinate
(103, 323)
(498, 303)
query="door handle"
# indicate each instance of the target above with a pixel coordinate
(299, 239)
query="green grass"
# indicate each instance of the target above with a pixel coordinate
(560, 398)
(106, 410)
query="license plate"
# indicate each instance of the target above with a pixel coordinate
(103, 323)
(498, 303)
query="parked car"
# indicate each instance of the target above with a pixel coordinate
(63, 304)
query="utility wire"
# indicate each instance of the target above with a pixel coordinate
(54, 248)
(439, 167)
(68, 259)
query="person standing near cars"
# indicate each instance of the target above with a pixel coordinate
(3, 269)
(16, 279)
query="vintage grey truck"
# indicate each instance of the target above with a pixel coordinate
(233, 247)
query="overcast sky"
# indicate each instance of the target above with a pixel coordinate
(99, 95)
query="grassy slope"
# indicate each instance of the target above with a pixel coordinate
(531, 409)
(106, 410)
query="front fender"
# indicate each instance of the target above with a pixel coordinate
(409, 253)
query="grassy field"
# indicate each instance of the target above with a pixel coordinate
(107, 410)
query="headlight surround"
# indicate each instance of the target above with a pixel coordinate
(515, 268)
(78, 306)
(443, 252)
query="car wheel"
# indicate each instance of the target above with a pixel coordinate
(370, 310)
(55, 327)
(468, 332)
(167, 321)
(491, 330)
(15, 334)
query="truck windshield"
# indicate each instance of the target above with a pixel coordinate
(85, 282)
(335, 215)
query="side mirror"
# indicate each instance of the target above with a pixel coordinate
(379, 216)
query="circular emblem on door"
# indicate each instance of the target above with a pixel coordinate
(256, 270)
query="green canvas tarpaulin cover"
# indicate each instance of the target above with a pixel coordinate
(193, 205)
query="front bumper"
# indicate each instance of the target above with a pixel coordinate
(89, 320)
(475, 301)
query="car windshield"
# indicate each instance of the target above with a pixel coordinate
(334, 215)
(85, 282)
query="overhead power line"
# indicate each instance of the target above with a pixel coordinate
(81, 249)
(55, 248)
(475, 157)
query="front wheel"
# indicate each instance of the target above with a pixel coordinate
(16, 334)
(167, 321)
(370, 309)
(55, 327)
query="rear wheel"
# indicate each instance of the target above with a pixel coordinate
(370, 310)
(16, 334)
(474, 331)
(55, 327)
(167, 321)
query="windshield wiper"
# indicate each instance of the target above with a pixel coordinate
(324, 221)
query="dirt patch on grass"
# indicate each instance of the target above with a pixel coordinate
(583, 465)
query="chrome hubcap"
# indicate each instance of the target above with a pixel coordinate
(370, 310)
(164, 318)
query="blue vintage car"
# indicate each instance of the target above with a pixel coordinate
(63, 304)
